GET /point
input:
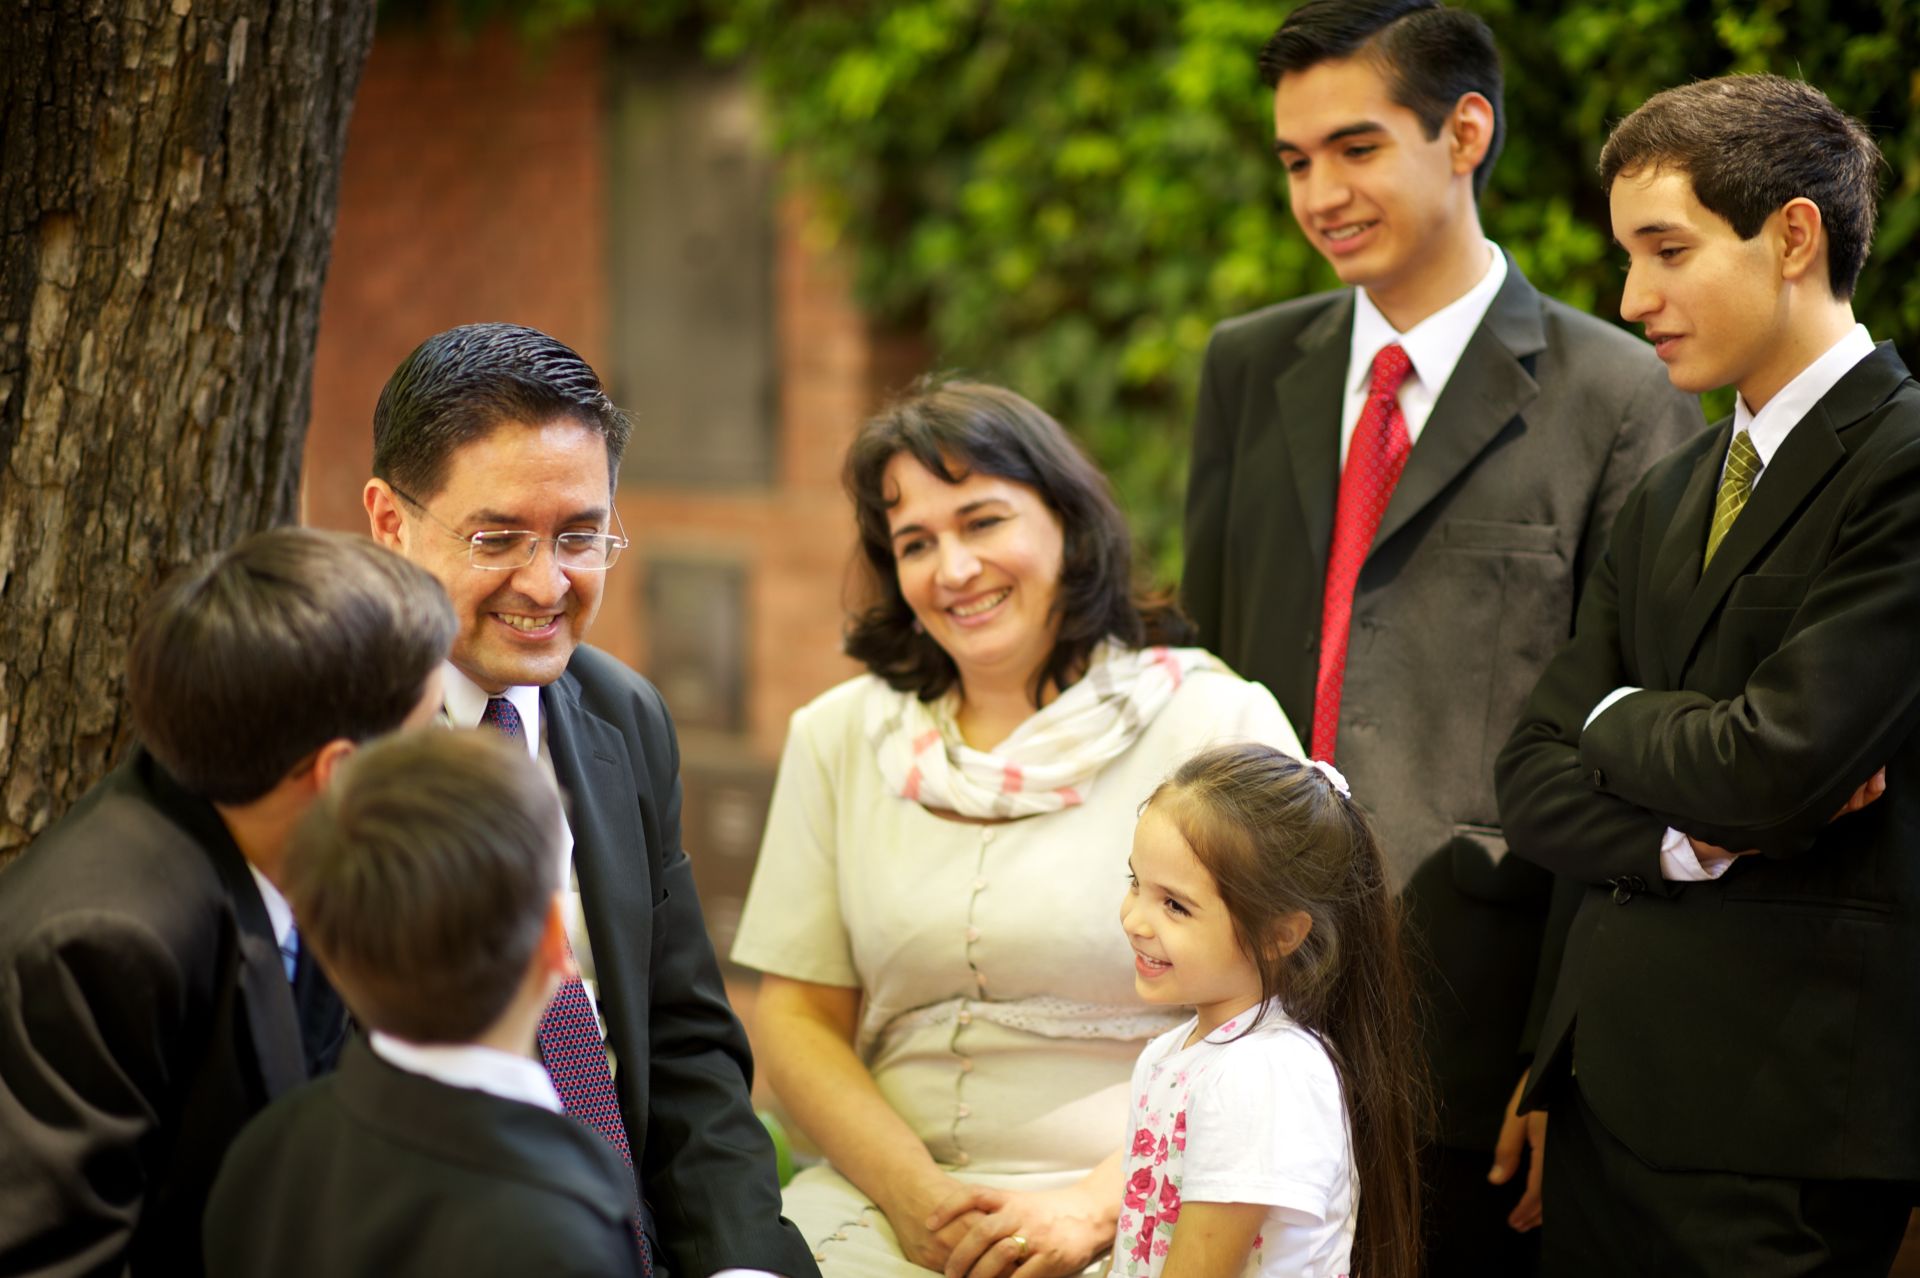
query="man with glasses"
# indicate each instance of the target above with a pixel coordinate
(494, 455)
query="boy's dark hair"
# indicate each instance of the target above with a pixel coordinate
(959, 428)
(1431, 57)
(247, 662)
(1279, 839)
(459, 385)
(422, 878)
(1749, 144)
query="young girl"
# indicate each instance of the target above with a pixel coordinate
(1275, 1132)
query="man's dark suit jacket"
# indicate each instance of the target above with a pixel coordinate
(1767, 1023)
(376, 1171)
(1548, 419)
(145, 1016)
(705, 1161)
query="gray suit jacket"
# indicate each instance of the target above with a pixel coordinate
(1548, 420)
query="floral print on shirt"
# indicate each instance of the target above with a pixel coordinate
(1150, 1204)
(1156, 1163)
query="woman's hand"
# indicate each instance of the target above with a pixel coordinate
(913, 1210)
(1047, 1234)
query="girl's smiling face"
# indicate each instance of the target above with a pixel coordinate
(1185, 950)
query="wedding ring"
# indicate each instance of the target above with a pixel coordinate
(1022, 1240)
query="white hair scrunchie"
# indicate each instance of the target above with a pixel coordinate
(1334, 777)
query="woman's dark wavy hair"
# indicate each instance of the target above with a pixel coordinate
(959, 428)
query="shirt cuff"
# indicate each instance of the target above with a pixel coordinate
(1605, 701)
(1678, 864)
(744, 1273)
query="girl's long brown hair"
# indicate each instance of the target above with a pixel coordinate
(1279, 838)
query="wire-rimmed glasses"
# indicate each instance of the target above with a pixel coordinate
(507, 549)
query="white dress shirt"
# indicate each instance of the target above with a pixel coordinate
(1433, 346)
(466, 701)
(469, 1065)
(279, 913)
(1766, 430)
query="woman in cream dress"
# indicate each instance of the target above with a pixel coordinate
(948, 1008)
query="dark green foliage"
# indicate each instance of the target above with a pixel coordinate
(1068, 194)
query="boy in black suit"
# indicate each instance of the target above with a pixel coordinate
(1725, 752)
(429, 882)
(154, 994)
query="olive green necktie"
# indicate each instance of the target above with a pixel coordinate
(1736, 485)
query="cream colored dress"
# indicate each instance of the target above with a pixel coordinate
(1000, 1019)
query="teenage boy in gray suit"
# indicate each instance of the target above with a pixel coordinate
(1397, 491)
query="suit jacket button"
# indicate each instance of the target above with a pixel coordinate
(1636, 883)
(1622, 889)
(1599, 779)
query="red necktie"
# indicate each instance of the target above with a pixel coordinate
(569, 1035)
(1375, 457)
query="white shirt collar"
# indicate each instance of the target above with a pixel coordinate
(1769, 427)
(1435, 344)
(466, 701)
(279, 913)
(469, 1065)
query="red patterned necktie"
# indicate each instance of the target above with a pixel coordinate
(569, 1035)
(1375, 457)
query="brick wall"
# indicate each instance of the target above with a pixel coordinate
(475, 188)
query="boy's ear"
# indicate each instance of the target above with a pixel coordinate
(1803, 240)
(327, 761)
(553, 954)
(1470, 132)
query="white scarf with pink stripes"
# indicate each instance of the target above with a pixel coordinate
(1052, 760)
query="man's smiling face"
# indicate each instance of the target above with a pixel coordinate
(518, 626)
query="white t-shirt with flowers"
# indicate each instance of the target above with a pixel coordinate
(1240, 1118)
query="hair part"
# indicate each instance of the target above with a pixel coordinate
(959, 428)
(1430, 56)
(245, 663)
(1751, 143)
(423, 878)
(459, 386)
(1279, 840)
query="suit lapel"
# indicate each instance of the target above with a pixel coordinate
(1312, 393)
(1811, 452)
(1488, 388)
(266, 997)
(593, 762)
(1676, 564)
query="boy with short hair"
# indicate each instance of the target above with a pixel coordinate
(429, 882)
(1397, 492)
(1726, 751)
(154, 993)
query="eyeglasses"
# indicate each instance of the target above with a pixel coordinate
(506, 549)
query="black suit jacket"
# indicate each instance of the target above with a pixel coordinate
(145, 1016)
(1546, 422)
(1767, 1023)
(705, 1161)
(377, 1171)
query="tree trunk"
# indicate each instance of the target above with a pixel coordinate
(171, 169)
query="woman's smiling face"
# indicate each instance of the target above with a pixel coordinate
(978, 561)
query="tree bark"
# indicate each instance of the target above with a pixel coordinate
(171, 171)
